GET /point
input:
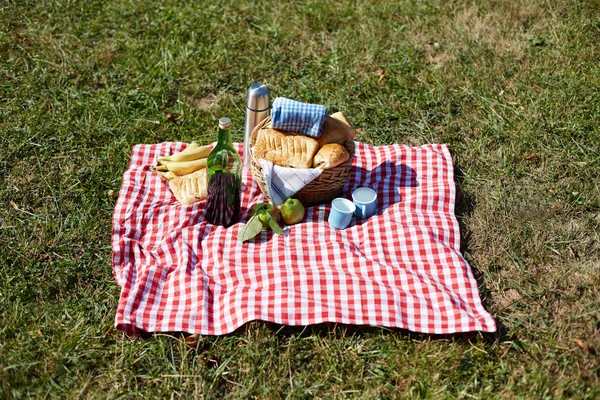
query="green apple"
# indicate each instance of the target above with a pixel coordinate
(292, 211)
(263, 216)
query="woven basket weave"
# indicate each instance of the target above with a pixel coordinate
(323, 189)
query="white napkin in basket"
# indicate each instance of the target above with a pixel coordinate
(283, 183)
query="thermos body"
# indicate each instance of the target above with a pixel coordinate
(257, 109)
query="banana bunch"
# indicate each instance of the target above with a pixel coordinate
(189, 160)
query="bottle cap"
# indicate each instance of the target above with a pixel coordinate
(224, 123)
(258, 97)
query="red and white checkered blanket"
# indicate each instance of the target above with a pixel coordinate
(400, 268)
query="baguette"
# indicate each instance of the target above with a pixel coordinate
(285, 149)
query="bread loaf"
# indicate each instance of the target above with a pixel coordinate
(331, 155)
(285, 149)
(342, 118)
(190, 188)
(335, 131)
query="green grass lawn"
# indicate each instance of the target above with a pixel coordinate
(512, 87)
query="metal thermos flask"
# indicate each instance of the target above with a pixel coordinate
(257, 109)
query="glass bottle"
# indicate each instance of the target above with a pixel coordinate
(224, 174)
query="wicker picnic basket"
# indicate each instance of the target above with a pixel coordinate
(325, 188)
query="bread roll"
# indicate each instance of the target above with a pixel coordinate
(285, 149)
(342, 118)
(335, 131)
(331, 155)
(190, 188)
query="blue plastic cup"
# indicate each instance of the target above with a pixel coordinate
(341, 213)
(365, 200)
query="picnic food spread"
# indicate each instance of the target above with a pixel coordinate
(321, 147)
(370, 237)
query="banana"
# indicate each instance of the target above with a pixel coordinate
(192, 145)
(167, 175)
(189, 154)
(185, 167)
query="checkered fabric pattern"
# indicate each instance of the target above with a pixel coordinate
(294, 116)
(401, 268)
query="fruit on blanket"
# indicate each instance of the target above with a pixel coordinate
(167, 174)
(185, 171)
(193, 152)
(185, 167)
(292, 211)
(185, 162)
(264, 217)
(256, 223)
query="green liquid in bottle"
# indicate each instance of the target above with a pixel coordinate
(224, 171)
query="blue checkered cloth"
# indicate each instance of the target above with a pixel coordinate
(294, 116)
